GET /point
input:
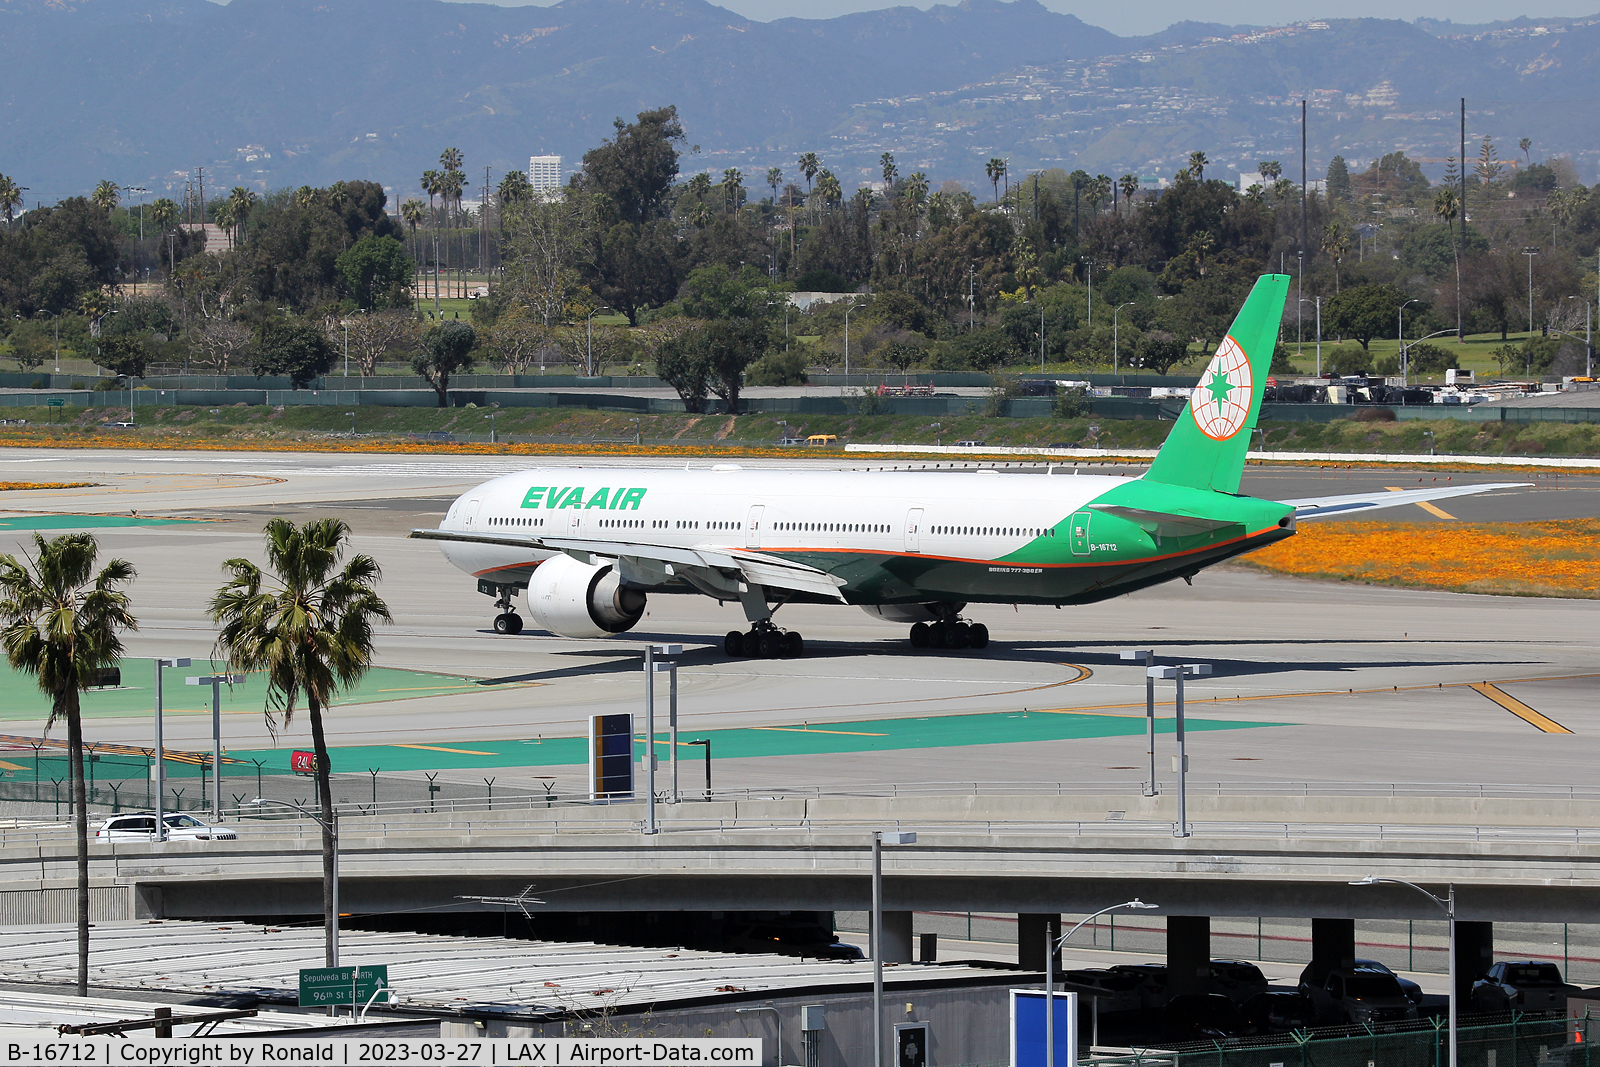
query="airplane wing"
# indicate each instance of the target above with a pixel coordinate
(754, 568)
(1319, 506)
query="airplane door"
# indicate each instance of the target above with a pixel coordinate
(752, 527)
(1080, 533)
(913, 530)
(469, 515)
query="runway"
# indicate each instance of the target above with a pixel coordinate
(1315, 683)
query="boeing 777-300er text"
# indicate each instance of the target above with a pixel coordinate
(591, 544)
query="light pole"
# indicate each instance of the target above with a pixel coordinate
(669, 667)
(216, 682)
(1300, 295)
(352, 422)
(331, 824)
(161, 748)
(1050, 950)
(1149, 657)
(847, 312)
(1588, 340)
(650, 654)
(1429, 435)
(1530, 251)
(1400, 334)
(1041, 333)
(1181, 761)
(1319, 337)
(778, 1018)
(589, 357)
(1448, 904)
(1114, 313)
(879, 839)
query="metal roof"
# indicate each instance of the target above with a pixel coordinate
(430, 971)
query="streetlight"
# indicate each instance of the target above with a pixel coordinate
(1530, 251)
(161, 748)
(216, 682)
(650, 666)
(1180, 762)
(778, 1017)
(1149, 657)
(352, 422)
(329, 823)
(589, 357)
(1429, 435)
(1051, 949)
(1115, 312)
(670, 669)
(879, 839)
(847, 312)
(493, 411)
(1448, 904)
(1588, 339)
(705, 741)
(1400, 334)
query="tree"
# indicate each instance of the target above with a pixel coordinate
(1130, 185)
(635, 169)
(10, 198)
(544, 237)
(1363, 312)
(446, 350)
(163, 213)
(1336, 244)
(1526, 144)
(1197, 165)
(774, 179)
(220, 342)
(296, 348)
(126, 354)
(514, 188)
(308, 628)
(516, 341)
(1338, 186)
(106, 195)
(374, 333)
(828, 189)
(995, 168)
(1488, 167)
(778, 368)
(1270, 170)
(61, 622)
(376, 272)
(1447, 205)
(241, 202)
(732, 189)
(1160, 351)
(902, 355)
(886, 164)
(681, 364)
(731, 345)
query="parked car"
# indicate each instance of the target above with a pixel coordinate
(1237, 980)
(1203, 1016)
(141, 826)
(1411, 989)
(1523, 985)
(1279, 1011)
(969, 444)
(1112, 991)
(1361, 994)
(1152, 982)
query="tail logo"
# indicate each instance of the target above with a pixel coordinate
(1220, 404)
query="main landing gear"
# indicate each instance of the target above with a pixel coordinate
(950, 633)
(764, 641)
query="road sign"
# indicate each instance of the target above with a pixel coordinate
(55, 402)
(302, 762)
(321, 986)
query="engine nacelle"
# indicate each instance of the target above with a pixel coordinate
(572, 599)
(906, 613)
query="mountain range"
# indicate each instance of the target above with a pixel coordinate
(273, 93)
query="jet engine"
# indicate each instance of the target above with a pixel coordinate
(572, 599)
(909, 613)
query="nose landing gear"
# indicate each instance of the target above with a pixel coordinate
(508, 621)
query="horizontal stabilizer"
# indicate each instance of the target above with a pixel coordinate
(1161, 523)
(1318, 506)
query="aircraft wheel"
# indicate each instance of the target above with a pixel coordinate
(752, 644)
(794, 646)
(978, 635)
(960, 636)
(938, 634)
(771, 645)
(502, 623)
(919, 635)
(733, 644)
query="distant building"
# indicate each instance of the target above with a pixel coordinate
(544, 172)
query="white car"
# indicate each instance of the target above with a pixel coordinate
(141, 826)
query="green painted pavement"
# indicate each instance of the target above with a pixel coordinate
(868, 735)
(21, 700)
(83, 522)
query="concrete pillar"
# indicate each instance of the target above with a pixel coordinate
(1188, 953)
(897, 937)
(1034, 931)
(1333, 946)
(1474, 955)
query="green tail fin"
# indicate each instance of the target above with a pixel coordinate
(1207, 445)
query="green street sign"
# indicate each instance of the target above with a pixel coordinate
(55, 402)
(321, 986)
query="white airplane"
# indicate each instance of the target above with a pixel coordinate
(590, 545)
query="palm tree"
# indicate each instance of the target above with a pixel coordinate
(61, 622)
(411, 214)
(1197, 165)
(106, 195)
(1447, 205)
(304, 197)
(1270, 170)
(732, 186)
(225, 219)
(810, 166)
(829, 189)
(917, 188)
(163, 212)
(886, 162)
(1525, 144)
(308, 628)
(242, 201)
(993, 169)
(10, 198)
(1130, 186)
(774, 179)
(514, 188)
(1336, 243)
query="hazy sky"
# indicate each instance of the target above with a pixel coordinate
(1152, 15)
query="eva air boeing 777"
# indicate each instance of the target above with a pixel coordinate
(591, 544)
